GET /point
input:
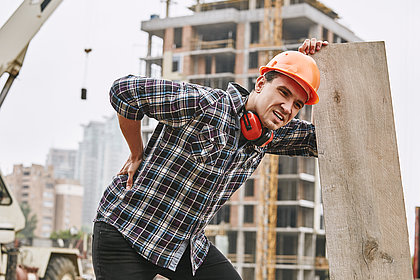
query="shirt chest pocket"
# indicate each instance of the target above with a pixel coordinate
(208, 146)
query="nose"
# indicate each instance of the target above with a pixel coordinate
(287, 107)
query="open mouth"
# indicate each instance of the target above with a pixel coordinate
(278, 116)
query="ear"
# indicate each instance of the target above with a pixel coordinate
(259, 84)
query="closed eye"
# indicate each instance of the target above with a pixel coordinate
(299, 105)
(284, 91)
(287, 93)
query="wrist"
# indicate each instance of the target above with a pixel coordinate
(136, 156)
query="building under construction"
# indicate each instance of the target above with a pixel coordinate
(225, 41)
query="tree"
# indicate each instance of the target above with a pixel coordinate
(66, 235)
(30, 222)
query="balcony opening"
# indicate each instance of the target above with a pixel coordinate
(208, 64)
(286, 245)
(255, 32)
(253, 60)
(249, 214)
(286, 216)
(287, 165)
(250, 246)
(287, 190)
(293, 32)
(248, 273)
(324, 33)
(225, 63)
(286, 274)
(178, 37)
(308, 217)
(176, 64)
(214, 36)
(249, 188)
(308, 191)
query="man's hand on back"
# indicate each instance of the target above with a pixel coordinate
(131, 129)
(310, 46)
(130, 167)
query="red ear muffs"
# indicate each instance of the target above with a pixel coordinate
(253, 131)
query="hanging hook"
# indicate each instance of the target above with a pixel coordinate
(84, 87)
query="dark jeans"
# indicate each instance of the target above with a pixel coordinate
(114, 259)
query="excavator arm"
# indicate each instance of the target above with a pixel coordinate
(16, 34)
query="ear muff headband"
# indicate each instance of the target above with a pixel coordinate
(252, 130)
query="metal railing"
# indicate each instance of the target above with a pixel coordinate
(198, 44)
(318, 262)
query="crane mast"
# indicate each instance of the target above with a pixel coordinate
(266, 235)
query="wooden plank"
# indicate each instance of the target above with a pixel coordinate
(362, 193)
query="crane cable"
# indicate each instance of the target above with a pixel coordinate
(90, 16)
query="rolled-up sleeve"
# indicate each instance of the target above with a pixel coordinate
(169, 102)
(297, 138)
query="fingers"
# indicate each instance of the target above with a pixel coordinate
(310, 46)
(318, 45)
(130, 168)
(304, 48)
(130, 180)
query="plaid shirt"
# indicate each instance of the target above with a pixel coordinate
(191, 166)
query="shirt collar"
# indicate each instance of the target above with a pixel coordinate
(239, 96)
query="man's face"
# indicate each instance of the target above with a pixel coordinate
(279, 101)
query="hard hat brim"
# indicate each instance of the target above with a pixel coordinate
(313, 97)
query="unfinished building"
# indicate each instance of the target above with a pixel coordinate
(221, 42)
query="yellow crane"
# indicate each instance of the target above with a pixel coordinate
(266, 235)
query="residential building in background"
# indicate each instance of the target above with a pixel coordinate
(89, 169)
(56, 203)
(34, 186)
(101, 155)
(115, 151)
(63, 161)
(68, 205)
(222, 42)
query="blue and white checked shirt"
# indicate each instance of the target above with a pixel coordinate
(191, 166)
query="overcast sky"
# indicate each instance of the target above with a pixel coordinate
(44, 109)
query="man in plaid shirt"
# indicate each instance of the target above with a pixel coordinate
(152, 216)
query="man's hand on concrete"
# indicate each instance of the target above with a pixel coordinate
(130, 167)
(310, 46)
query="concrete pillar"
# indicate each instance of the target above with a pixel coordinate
(300, 253)
(240, 56)
(213, 64)
(252, 4)
(149, 45)
(168, 40)
(149, 53)
(317, 199)
(200, 62)
(187, 36)
(187, 66)
(313, 255)
(245, 64)
(315, 31)
(330, 36)
(240, 244)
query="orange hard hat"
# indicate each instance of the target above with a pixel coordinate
(301, 68)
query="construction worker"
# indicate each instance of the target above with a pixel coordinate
(152, 216)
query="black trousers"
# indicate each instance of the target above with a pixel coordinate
(114, 259)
